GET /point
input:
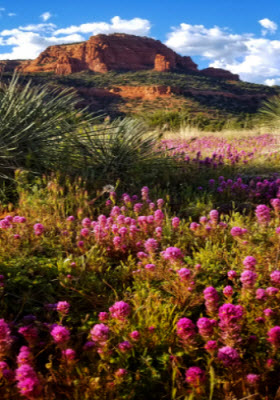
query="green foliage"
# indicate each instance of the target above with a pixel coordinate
(37, 125)
(204, 99)
(115, 151)
(269, 113)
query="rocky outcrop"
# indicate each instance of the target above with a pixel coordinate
(162, 64)
(144, 92)
(11, 65)
(131, 92)
(219, 73)
(103, 53)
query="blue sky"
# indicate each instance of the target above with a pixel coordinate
(242, 36)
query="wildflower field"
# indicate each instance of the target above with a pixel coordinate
(167, 287)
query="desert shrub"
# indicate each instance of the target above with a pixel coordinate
(119, 150)
(269, 113)
(37, 125)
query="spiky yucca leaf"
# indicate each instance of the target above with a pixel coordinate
(269, 113)
(36, 124)
(118, 148)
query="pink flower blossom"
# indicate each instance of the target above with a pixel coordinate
(249, 262)
(135, 335)
(263, 214)
(86, 223)
(103, 316)
(194, 226)
(124, 346)
(184, 273)
(195, 376)
(100, 333)
(121, 372)
(228, 291)
(211, 298)
(120, 310)
(185, 329)
(175, 222)
(274, 336)
(172, 254)
(63, 307)
(205, 327)
(236, 231)
(85, 232)
(211, 346)
(248, 279)
(268, 312)
(69, 354)
(261, 294)
(272, 291)
(60, 334)
(38, 229)
(252, 379)
(24, 356)
(232, 274)
(151, 245)
(150, 267)
(275, 277)
(228, 356)
(214, 216)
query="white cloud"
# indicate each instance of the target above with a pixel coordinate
(136, 26)
(268, 25)
(255, 59)
(29, 44)
(11, 14)
(46, 16)
(28, 41)
(272, 82)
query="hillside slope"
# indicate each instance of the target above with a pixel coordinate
(122, 74)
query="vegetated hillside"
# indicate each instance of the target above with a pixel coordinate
(166, 98)
(122, 74)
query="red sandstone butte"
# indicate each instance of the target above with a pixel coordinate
(103, 53)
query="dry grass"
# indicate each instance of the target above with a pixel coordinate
(188, 132)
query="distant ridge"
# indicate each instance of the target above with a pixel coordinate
(115, 52)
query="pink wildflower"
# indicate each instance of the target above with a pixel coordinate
(195, 376)
(184, 273)
(263, 214)
(38, 229)
(249, 262)
(120, 310)
(228, 356)
(185, 329)
(60, 334)
(274, 336)
(63, 307)
(124, 346)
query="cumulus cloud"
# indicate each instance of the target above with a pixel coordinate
(28, 41)
(268, 25)
(46, 16)
(136, 26)
(255, 59)
(30, 44)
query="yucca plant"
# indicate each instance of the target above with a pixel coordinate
(37, 124)
(117, 149)
(269, 113)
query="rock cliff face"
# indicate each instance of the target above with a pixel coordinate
(219, 73)
(103, 53)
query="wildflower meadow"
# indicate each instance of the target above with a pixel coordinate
(168, 289)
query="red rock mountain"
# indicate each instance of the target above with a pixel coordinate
(119, 52)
